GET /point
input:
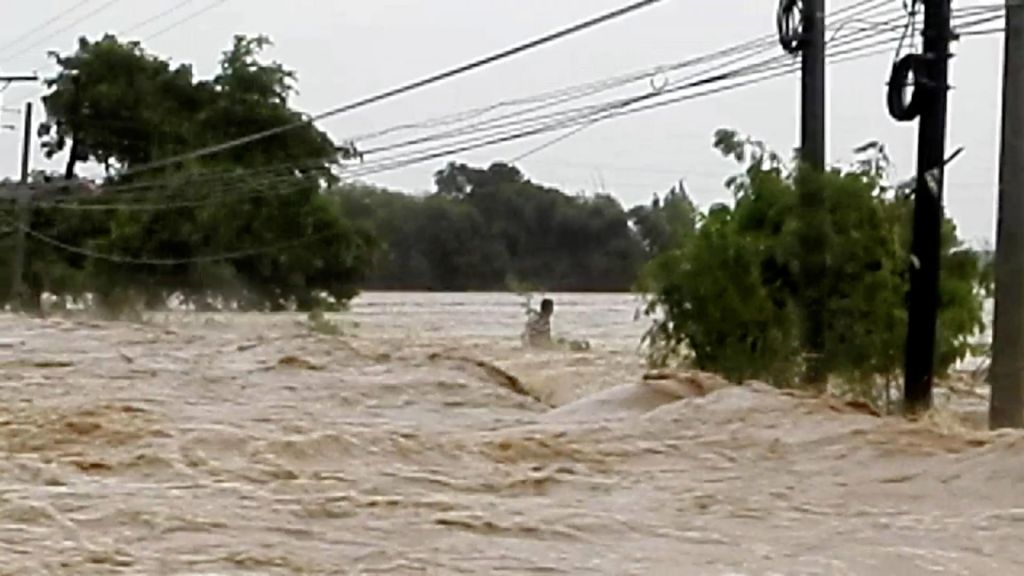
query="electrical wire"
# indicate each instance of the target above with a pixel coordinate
(593, 109)
(756, 67)
(756, 46)
(185, 180)
(42, 26)
(412, 86)
(441, 153)
(127, 260)
(757, 72)
(215, 196)
(225, 256)
(859, 52)
(102, 7)
(576, 92)
(185, 20)
(590, 110)
(156, 17)
(985, 32)
(760, 65)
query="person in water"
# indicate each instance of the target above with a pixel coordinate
(538, 325)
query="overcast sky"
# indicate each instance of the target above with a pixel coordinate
(345, 49)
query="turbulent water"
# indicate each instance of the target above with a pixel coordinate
(424, 440)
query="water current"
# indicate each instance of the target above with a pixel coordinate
(423, 439)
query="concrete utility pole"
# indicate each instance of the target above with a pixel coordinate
(931, 87)
(812, 91)
(811, 190)
(801, 29)
(1006, 409)
(23, 214)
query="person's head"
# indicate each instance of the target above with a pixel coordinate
(547, 307)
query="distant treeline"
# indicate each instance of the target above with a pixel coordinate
(493, 229)
(270, 226)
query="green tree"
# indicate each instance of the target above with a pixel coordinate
(114, 104)
(488, 228)
(667, 222)
(728, 296)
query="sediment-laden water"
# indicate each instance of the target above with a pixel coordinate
(424, 440)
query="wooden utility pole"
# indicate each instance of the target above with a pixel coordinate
(931, 83)
(1006, 409)
(22, 216)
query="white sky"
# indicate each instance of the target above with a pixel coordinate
(346, 49)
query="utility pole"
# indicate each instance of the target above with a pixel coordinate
(811, 190)
(22, 215)
(1006, 409)
(812, 91)
(801, 28)
(931, 86)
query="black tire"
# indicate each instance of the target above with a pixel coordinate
(790, 25)
(901, 109)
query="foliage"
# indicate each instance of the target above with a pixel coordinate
(113, 104)
(489, 229)
(729, 296)
(666, 223)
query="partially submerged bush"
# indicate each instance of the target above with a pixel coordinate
(728, 298)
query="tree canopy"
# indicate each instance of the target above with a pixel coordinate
(114, 104)
(728, 296)
(484, 228)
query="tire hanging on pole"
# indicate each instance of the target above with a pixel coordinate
(901, 108)
(789, 22)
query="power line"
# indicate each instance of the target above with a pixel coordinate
(592, 113)
(434, 79)
(579, 91)
(560, 119)
(226, 256)
(184, 20)
(157, 16)
(985, 32)
(565, 94)
(757, 70)
(553, 142)
(69, 26)
(42, 26)
(845, 56)
(117, 259)
(572, 92)
(744, 49)
(219, 196)
(762, 66)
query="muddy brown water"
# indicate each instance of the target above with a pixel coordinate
(247, 444)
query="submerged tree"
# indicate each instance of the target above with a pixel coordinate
(728, 296)
(113, 104)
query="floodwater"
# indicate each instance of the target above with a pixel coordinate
(424, 440)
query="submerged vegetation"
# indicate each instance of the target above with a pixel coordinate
(727, 298)
(270, 226)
